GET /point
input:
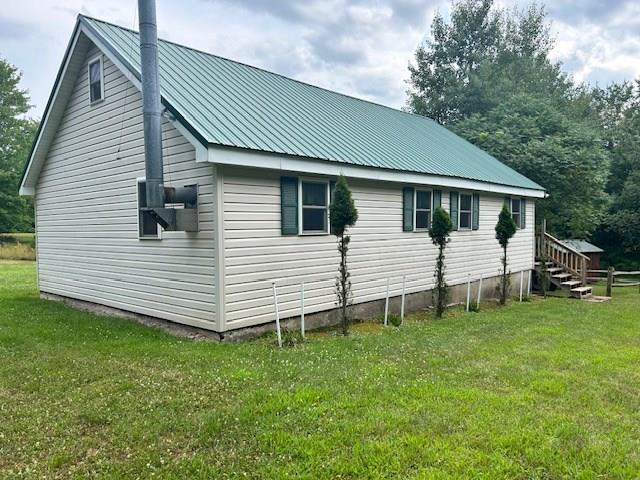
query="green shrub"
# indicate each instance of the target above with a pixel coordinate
(394, 319)
(291, 337)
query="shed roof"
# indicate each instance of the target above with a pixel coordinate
(232, 104)
(582, 246)
(220, 102)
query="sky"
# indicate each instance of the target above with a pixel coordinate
(361, 48)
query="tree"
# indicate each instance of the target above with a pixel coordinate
(505, 229)
(343, 215)
(439, 232)
(487, 74)
(540, 140)
(16, 134)
(483, 55)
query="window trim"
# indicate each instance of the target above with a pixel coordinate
(519, 222)
(301, 207)
(460, 211)
(97, 58)
(415, 209)
(158, 236)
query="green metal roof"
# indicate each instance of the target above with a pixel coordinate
(582, 246)
(232, 104)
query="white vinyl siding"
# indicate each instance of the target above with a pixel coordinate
(87, 215)
(256, 253)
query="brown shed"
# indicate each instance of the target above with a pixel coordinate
(587, 249)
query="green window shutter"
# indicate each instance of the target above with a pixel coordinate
(453, 208)
(507, 203)
(475, 215)
(289, 205)
(407, 209)
(437, 199)
(523, 213)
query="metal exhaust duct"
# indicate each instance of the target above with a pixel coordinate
(152, 113)
(172, 219)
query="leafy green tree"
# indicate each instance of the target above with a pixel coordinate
(535, 137)
(481, 56)
(439, 232)
(505, 229)
(487, 75)
(16, 135)
(343, 215)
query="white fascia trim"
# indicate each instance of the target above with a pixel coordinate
(28, 187)
(247, 158)
(201, 150)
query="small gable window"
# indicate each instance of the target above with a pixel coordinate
(96, 80)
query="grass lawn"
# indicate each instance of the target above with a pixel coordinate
(544, 389)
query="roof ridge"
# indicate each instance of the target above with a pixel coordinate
(203, 52)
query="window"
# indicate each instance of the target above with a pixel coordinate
(96, 90)
(516, 211)
(147, 227)
(423, 210)
(315, 207)
(465, 211)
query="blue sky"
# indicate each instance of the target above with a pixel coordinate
(360, 47)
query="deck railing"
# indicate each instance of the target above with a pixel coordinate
(562, 255)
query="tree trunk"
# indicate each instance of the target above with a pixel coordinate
(503, 293)
(343, 284)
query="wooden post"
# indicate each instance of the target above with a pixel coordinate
(302, 310)
(386, 304)
(275, 303)
(404, 278)
(609, 280)
(583, 271)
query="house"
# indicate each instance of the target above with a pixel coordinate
(588, 249)
(262, 151)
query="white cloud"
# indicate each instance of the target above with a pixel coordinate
(358, 47)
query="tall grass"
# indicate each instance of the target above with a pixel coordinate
(17, 246)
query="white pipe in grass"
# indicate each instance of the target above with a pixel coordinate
(302, 310)
(529, 285)
(275, 303)
(404, 278)
(386, 304)
(468, 290)
(521, 283)
(479, 293)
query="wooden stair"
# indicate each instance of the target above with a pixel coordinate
(566, 267)
(565, 281)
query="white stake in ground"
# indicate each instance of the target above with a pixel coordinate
(302, 310)
(468, 290)
(275, 303)
(386, 304)
(521, 283)
(479, 293)
(529, 285)
(404, 278)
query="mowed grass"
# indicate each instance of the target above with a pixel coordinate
(543, 389)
